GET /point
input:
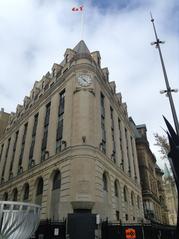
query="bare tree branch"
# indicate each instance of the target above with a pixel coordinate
(162, 143)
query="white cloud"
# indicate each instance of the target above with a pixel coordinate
(35, 34)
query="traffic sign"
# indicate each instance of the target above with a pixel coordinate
(130, 233)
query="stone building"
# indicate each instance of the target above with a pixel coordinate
(161, 195)
(3, 121)
(151, 180)
(70, 147)
(171, 196)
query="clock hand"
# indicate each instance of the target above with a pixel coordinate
(85, 80)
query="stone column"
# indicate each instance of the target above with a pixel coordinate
(52, 127)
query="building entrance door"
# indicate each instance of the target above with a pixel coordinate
(81, 226)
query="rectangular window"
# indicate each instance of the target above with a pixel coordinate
(47, 115)
(45, 135)
(117, 216)
(127, 150)
(35, 125)
(133, 157)
(21, 155)
(7, 150)
(103, 131)
(103, 128)
(61, 109)
(103, 143)
(44, 141)
(22, 148)
(15, 142)
(102, 105)
(2, 146)
(6, 156)
(120, 141)
(25, 132)
(13, 154)
(60, 128)
(112, 117)
(62, 103)
(113, 155)
(31, 152)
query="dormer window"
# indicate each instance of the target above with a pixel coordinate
(107, 76)
(99, 61)
(67, 58)
(54, 72)
(46, 87)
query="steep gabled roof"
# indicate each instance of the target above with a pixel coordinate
(81, 48)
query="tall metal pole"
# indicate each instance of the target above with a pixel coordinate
(168, 90)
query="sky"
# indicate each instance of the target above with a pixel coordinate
(35, 33)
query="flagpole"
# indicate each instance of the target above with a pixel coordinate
(80, 9)
(82, 24)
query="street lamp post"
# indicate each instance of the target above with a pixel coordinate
(168, 90)
(172, 135)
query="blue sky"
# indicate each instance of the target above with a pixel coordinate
(36, 33)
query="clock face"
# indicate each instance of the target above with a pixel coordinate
(84, 80)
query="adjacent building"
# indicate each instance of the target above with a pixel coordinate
(171, 196)
(154, 201)
(71, 147)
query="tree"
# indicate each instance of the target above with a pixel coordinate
(163, 144)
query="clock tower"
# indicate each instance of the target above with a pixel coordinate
(71, 146)
(103, 152)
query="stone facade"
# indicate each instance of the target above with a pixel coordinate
(70, 147)
(151, 180)
(171, 196)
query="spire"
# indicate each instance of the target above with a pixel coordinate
(166, 172)
(81, 48)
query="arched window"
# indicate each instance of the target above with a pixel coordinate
(67, 58)
(105, 182)
(14, 194)
(55, 195)
(5, 196)
(125, 194)
(116, 191)
(39, 190)
(132, 198)
(56, 181)
(26, 192)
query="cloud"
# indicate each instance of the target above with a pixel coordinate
(35, 34)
